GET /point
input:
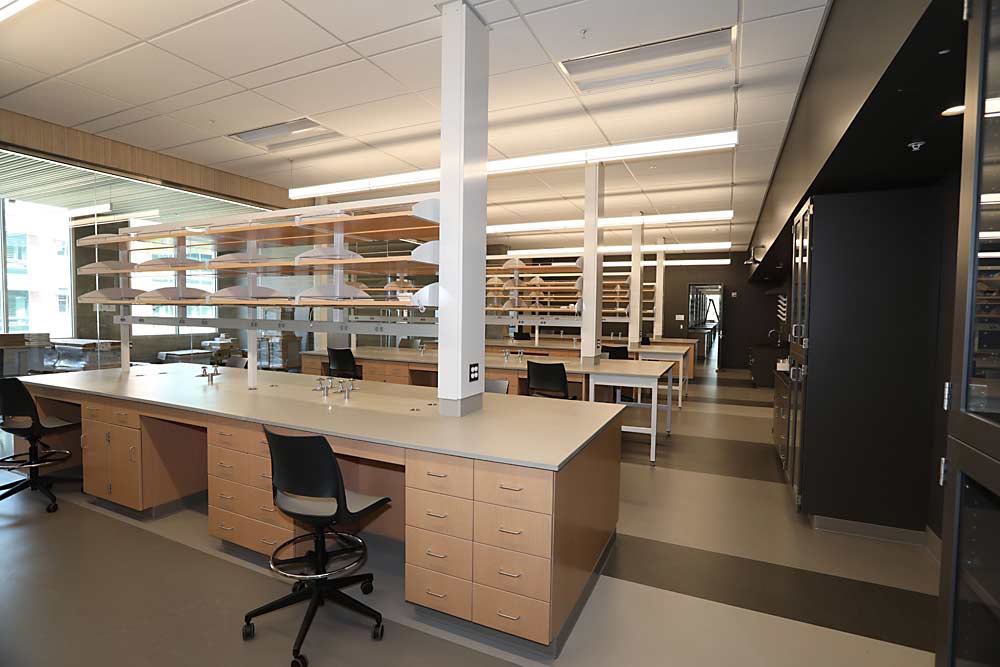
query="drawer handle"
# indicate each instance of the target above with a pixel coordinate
(437, 595)
(91, 408)
(224, 465)
(509, 574)
(436, 516)
(511, 488)
(224, 526)
(509, 532)
(265, 509)
(431, 553)
(265, 475)
(437, 474)
(269, 543)
(228, 435)
(131, 452)
(225, 497)
(508, 616)
(120, 413)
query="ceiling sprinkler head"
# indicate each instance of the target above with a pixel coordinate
(915, 146)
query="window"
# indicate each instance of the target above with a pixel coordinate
(17, 253)
(62, 298)
(17, 311)
(152, 281)
(60, 248)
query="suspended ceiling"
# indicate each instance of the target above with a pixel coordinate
(179, 76)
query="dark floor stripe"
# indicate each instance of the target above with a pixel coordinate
(871, 610)
(729, 401)
(734, 458)
(723, 382)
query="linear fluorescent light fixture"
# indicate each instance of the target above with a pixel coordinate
(659, 61)
(11, 7)
(625, 221)
(986, 236)
(674, 262)
(989, 255)
(622, 249)
(642, 149)
(97, 209)
(991, 109)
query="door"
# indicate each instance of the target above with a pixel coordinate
(94, 444)
(125, 466)
(970, 584)
(799, 334)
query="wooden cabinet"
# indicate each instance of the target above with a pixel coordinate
(112, 463)
(94, 444)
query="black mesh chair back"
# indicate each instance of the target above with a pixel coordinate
(18, 414)
(616, 351)
(547, 380)
(342, 363)
(307, 466)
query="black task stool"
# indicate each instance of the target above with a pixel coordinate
(20, 418)
(547, 380)
(308, 486)
(342, 363)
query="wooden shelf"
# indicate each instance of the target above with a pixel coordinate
(532, 270)
(282, 302)
(392, 265)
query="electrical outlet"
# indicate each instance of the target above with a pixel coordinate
(473, 372)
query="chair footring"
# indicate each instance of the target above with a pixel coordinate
(278, 564)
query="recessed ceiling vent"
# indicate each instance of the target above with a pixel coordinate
(659, 61)
(283, 136)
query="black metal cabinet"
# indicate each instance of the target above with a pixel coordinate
(779, 428)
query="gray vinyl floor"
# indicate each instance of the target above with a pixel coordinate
(712, 567)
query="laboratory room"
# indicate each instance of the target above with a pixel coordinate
(500, 333)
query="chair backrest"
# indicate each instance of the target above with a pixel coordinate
(342, 363)
(305, 466)
(16, 401)
(496, 386)
(236, 362)
(550, 378)
(615, 351)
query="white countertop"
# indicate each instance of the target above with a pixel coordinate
(521, 430)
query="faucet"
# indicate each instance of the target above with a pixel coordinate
(211, 376)
(347, 388)
(520, 356)
(422, 348)
(323, 385)
(506, 354)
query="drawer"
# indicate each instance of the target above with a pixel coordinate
(258, 472)
(258, 504)
(241, 437)
(510, 613)
(509, 528)
(439, 513)
(514, 486)
(397, 374)
(439, 591)
(441, 553)
(225, 494)
(450, 475)
(225, 525)
(227, 464)
(96, 411)
(248, 533)
(124, 414)
(512, 571)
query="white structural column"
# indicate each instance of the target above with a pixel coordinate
(465, 64)
(658, 292)
(593, 211)
(635, 288)
(125, 330)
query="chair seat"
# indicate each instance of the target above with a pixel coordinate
(54, 423)
(326, 508)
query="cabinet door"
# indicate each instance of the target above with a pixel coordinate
(94, 443)
(125, 467)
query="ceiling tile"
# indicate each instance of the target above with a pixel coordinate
(529, 6)
(256, 165)
(157, 133)
(528, 86)
(419, 145)
(141, 74)
(507, 188)
(755, 165)
(14, 76)
(352, 159)
(334, 88)
(236, 113)
(625, 121)
(146, 19)
(766, 109)
(495, 10)
(779, 38)
(784, 76)
(52, 37)
(61, 102)
(617, 25)
(542, 128)
(418, 67)
(314, 62)
(398, 38)
(569, 182)
(213, 91)
(350, 19)
(762, 135)
(553, 209)
(695, 168)
(211, 151)
(758, 9)
(686, 199)
(117, 119)
(388, 114)
(512, 46)
(246, 38)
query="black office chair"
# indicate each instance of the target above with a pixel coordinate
(19, 417)
(308, 486)
(615, 351)
(342, 364)
(547, 380)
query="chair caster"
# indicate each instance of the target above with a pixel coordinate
(52, 507)
(377, 632)
(367, 587)
(248, 631)
(300, 661)
(298, 586)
